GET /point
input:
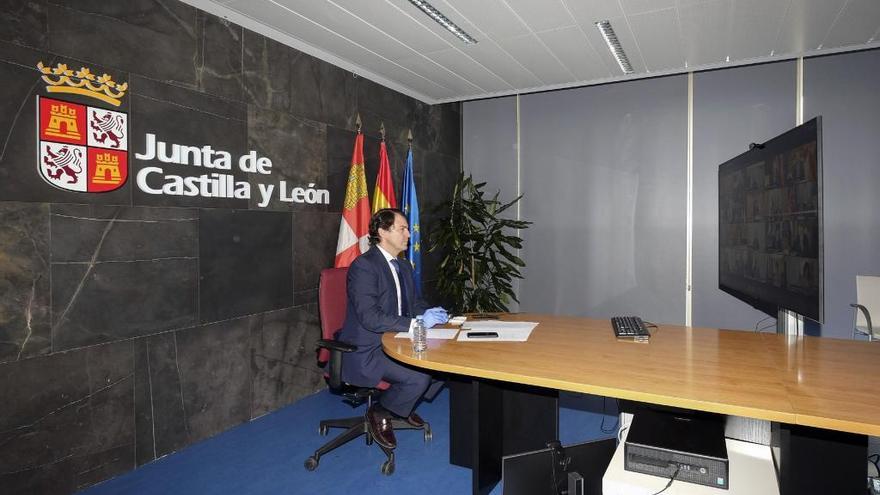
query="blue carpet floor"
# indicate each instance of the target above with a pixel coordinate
(265, 456)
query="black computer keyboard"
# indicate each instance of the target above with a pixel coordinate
(630, 327)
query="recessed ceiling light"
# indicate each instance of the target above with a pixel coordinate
(443, 21)
(614, 45)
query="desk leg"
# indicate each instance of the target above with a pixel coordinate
(488, 434)
(491, 419)
(818, 461)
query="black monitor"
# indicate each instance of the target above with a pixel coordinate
(547, 471)
(770, 223)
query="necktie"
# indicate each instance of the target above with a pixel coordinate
(404, 302)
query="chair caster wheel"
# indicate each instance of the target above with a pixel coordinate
(388, 468)
(323, 430)
(428, 434)
(311, 463)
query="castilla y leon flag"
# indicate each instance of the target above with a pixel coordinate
(354, 228)
(383, 195)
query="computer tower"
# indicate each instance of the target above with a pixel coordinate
(688, 447)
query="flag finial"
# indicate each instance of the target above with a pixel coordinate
(382, 130)
(409, 138)
(357, 122)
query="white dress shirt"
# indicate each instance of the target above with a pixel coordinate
(388, 259)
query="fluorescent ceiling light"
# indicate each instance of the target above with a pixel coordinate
(614, 45)
(443, 21)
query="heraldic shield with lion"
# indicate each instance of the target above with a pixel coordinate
(82, 148)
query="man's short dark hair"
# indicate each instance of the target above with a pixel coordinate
(382, 219)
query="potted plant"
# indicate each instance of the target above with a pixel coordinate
(479, 264)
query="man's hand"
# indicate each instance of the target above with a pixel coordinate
(435, 316)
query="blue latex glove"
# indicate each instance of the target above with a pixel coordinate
(435, 316)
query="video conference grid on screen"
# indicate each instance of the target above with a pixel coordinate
(769, 211)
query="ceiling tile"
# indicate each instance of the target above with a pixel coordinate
(857, 23)
(280, 18)
(632, 7)
(761, 20)
(430, 69)
(685, 3)
(313, 34)
(543, 15)
(571, 47)
(493, 57)
(419, 84)
(397, 24)
(495, 19)
(532, 54)
(659, 39)
(588, 12)
(806, 24)
(461, 64)
(705, 29)
(347, 25)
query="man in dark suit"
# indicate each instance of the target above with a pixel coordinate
(382, 298)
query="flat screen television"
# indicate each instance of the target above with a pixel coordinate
(770, 223)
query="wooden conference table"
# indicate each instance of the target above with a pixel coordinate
(804, 383)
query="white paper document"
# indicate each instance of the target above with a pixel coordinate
(457, 320)
(508, 331)
(433, 333)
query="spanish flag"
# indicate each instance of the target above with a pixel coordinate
(383, 194)
(354, 229)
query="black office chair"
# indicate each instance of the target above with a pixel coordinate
(332, 301)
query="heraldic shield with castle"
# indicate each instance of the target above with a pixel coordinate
(83, 148)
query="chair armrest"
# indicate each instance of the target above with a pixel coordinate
(864, 310)
(336, 348)
(336, 345)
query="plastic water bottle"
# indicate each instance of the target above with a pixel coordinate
(420, 335)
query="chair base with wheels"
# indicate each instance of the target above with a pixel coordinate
(357, 425)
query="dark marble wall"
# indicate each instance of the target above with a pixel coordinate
(132, 325)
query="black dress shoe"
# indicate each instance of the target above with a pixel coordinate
(415, 420)
(379, 424)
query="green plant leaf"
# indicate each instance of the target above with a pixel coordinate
(478, 265)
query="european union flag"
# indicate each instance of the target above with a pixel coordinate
(409, 203)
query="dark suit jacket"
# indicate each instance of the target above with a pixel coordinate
(372, 311)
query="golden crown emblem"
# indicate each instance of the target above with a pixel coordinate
(82, 82)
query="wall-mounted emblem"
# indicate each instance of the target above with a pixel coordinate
(83, 148)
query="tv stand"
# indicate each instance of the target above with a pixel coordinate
(789, 323)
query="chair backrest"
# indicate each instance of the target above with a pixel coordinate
(332, 301)
(868, 295)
